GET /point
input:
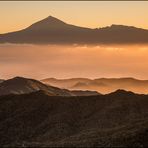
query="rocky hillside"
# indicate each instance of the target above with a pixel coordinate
(119, 119)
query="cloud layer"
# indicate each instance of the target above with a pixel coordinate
(40, 61)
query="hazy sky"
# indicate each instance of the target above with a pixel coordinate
(16, 15)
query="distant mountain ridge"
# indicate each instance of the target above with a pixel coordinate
(21, 85)
(54, 31)
(102, 85)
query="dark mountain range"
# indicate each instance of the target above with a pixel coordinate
(54, 31)
(103, 85)
(119, 119)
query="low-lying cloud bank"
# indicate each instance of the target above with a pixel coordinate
(40, 61)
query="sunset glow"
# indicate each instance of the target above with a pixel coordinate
(18, 15)
(65, 61)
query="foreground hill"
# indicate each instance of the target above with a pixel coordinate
(103, 85)
(119, 119)
(1, 80)
(54, 31)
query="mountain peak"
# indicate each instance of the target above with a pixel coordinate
(49, 22)
(19, 78)
(122, 92)
(52, 30)
(21, 85)
(19, 81)
(50, 16)
(52, 19)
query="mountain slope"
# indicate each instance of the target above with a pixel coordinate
(48, 30)
(119, 119)
(1, 80)
(103, 85)
(20, 85)
(52, 30)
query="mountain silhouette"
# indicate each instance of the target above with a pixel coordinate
(20, 85)
(121, 92)
(102, 85)
(54, 31)
(48, 23)
(64, 83)
(37, 119)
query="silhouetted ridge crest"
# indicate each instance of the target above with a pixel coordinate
(102, 85)
(122, 92)
(20, 85)
(121, 27)
(48, 23)
(54, 31)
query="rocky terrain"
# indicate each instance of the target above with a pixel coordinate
(37, 119)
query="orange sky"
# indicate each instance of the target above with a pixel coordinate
(17, 15)
(79, 61)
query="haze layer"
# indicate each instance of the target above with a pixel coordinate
(41, 61)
